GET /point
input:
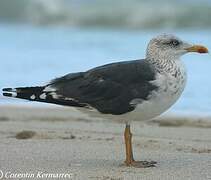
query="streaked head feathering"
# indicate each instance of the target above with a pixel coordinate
(169, 47)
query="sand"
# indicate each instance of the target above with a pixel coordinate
(61, 140)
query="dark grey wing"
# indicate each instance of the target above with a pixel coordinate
(110, 88)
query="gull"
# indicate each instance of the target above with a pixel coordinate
(129, 90)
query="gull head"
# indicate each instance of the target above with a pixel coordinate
(168, 46)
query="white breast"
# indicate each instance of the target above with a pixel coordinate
(170, 89)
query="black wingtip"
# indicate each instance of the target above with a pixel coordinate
(7, 94)
(7, 89)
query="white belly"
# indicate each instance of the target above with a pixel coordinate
(157, 104)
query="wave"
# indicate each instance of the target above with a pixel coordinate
(133, 14)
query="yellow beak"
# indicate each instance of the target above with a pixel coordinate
(197, 48)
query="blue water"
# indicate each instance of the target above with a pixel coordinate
(32, 56)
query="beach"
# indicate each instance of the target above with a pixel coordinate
(46, 39)
(62, 140)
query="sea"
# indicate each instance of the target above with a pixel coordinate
(33, 55)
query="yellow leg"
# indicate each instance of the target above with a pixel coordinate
(128, 145)
(129, 152)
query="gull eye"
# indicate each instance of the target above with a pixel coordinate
(174, 43)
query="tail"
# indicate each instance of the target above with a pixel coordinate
(28, 93)
(41, 94)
